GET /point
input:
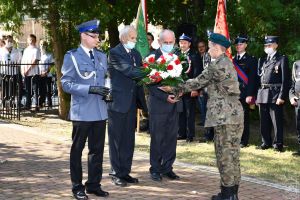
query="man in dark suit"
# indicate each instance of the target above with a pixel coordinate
(247, 65)
(187, 117)
(124, 68)
(294, 96)
(163, 119)
(274, 88)
(83, 77)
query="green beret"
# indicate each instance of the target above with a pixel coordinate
(219, 39)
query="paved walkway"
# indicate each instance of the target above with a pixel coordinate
(35, 165)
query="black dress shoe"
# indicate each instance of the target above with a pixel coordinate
(188, 140)
(118, 181)
(156, 176)
(130, 179)
(181, 138)
(263, 147)
(80, 195)
(278, 147)
(171, 175)
(99, 192)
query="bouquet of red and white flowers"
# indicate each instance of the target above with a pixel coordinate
(168, 69)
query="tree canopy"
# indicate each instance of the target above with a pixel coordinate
(256, 18)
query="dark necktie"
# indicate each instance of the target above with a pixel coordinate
(92, 56)
(238, 57)
(132, 57)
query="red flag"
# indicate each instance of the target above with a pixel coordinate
(221, 23)
(222, 28)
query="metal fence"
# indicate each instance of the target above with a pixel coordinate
(19, 94)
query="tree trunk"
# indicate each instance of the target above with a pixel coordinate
(58, 48)
(113, 33)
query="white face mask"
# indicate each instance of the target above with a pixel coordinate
(269, 50)
(129, 45)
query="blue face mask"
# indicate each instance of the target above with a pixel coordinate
(167, 47)
(129, 45)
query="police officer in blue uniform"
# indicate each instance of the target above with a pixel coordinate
(83, 72)
(248, 83)
(294, 96)
(272, 93)
(187, 117)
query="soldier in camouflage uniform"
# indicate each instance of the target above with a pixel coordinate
(224, 113)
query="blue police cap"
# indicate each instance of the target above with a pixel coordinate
(185, 37)
(92, 26)
(271, 39)
(219, 39)
(241, 39)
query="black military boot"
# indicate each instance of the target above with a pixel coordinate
(227, 193)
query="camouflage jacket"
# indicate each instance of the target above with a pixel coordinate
(220, 78)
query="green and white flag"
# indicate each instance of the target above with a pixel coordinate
(141, 26)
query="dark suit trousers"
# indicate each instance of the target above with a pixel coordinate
(297, 110)
(270, 113)
(187, 117)
(246, 132)
(95, 132)
(163, 131)
(32, 85)
(121, 134)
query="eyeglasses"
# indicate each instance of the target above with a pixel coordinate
(92, 36)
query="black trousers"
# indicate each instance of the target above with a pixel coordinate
(95, 133)
(297, 110)
(163, 131)
(32, 88)
(187, 117)
(271, 114)
(45, 90)
(9, 86)
(246, 131)
(121, 134)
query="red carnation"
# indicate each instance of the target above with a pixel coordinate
(177, 62)
(145, 65)
(163, 61)
(151, 60)
(170, 67)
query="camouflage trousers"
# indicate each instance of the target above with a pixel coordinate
(227, 148)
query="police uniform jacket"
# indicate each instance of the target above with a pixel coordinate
(295, 88)
(248, 65)
(223, 105)
(84, 106)
(274, 79)
(125, 73)
(158, 103)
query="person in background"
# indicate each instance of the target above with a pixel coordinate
(273, 91)
(294, 96)
(247, 64)
(203, 95)
(45, 64)
(30, 71)
(187, 117)
(150, 39)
